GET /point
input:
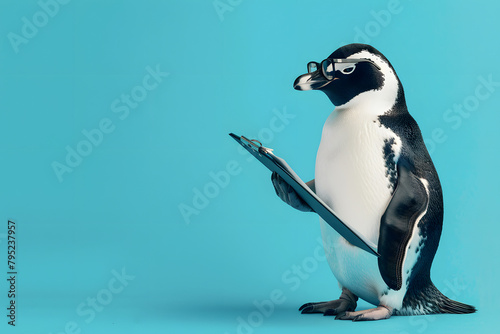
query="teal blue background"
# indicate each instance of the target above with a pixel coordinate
(120, 208)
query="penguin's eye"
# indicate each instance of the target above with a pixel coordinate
(348, 70)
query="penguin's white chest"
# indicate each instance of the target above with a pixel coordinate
(354, 165)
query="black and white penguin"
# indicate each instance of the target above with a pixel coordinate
(373, 169)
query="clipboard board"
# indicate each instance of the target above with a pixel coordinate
(278, 165)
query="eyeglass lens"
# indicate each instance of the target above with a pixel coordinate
(312, 67)
(328, 69)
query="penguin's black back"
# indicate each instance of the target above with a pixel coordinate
(421, 293)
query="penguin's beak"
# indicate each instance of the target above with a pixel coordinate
(311, 81)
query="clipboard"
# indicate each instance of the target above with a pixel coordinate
(278, 165)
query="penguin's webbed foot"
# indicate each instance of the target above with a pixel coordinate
(346, 302)
(288, 194)
(379, 313)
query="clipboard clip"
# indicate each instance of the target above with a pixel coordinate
(256, 145)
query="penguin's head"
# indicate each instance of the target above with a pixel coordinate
(350, 74)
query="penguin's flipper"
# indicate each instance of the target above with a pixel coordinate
(288, 194)
(408, 203)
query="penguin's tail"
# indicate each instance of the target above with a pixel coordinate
(447, 305)
(429, 300)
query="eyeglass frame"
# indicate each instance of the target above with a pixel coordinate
(333, 61)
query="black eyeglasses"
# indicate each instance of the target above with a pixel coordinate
(330, 65)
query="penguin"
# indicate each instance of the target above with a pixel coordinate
(374, 171)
